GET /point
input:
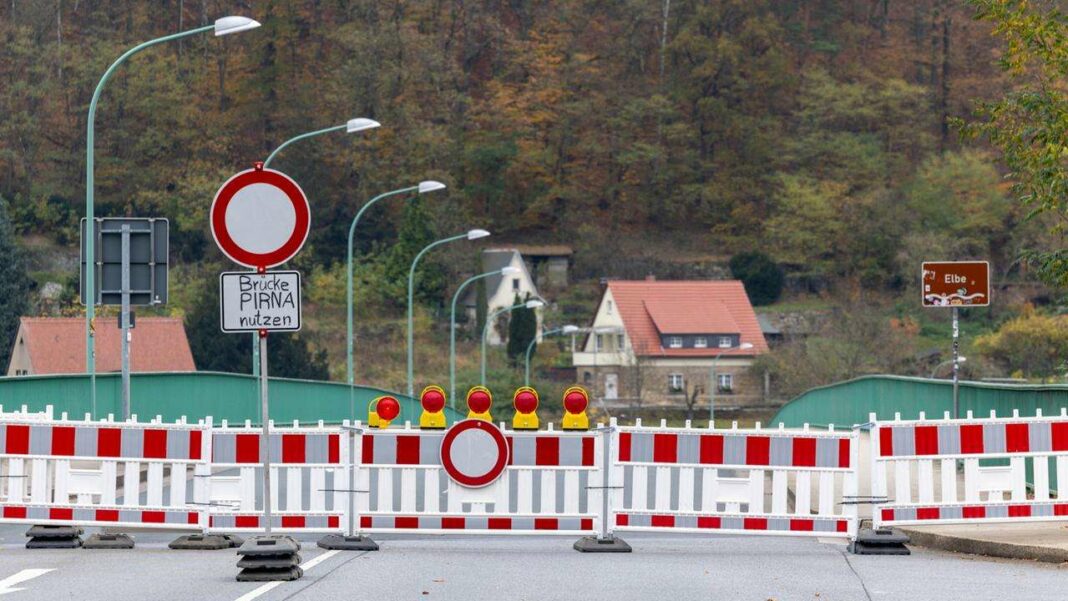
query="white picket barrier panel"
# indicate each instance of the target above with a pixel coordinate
(543, 490)
(915, 469)
(308, 474)
(100, 473)
(716, 480)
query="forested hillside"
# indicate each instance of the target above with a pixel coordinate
(819, 132)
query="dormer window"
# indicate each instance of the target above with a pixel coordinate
(608, 307)
(674, 341)
(725, 342)
(700, 342)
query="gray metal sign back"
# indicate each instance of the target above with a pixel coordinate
(148, 246)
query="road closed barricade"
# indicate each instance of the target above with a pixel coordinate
(971, 470)
(744, 481)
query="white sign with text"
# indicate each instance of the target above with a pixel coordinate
(250, 301)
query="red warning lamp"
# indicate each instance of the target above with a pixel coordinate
(433, 400)
(525, 401)
(388, 409)
(479, 401)
(576, 400)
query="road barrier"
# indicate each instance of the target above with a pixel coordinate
(918, 461)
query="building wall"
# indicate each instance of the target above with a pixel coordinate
(651, 377)
(20, 365)
(504, 296)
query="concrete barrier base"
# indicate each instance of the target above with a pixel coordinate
(109, 541)
(593, 544)
(341, 542)
(206, 542)
(269, 558)
(54, 537)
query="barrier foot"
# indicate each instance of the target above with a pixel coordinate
(882, 541)
(206, 542)
(54, 537)
(341, 542)
(269, 558)
(594, 544)
(109, 541)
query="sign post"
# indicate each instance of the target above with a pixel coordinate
(956, 284)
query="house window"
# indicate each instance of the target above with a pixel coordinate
(700, 342)
(675, 383)
(608, 307)
(587, 377)
(599, 342)
(674, 341)
(725, 342)
(515, 283)
(619, 342)
(726, 382)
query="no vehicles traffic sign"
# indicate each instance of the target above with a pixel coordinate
(260, 218)
(251, 302)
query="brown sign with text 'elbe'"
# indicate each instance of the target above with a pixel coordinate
(956, 283)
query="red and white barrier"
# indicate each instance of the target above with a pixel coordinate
(713, 480)
(915, 469)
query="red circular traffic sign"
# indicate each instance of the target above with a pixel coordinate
(260, 218)
(474, 453)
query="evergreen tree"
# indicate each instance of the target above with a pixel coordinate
(762, 278)
(522, 329)
(413, 236)
(15, 286)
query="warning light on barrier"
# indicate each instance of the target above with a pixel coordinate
(525, 400)
(576, 400)
(433, 400)
(383, 410)
(479, 401)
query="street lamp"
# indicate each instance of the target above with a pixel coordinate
(350, 126)
(569, 329)
(223, 26)
(712, 379)
(422, 188)
(530, 304)
(504, 271)
(470, 235)
(949, 362)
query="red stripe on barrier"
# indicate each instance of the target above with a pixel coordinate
(60, 513)
(926, 439)
(708, 522)
(755, 523)
(293, 448)
(246, 521)
(843, 526)
(195, 440)
(624, 446)
(546, 451)
(153, 517)
(546, 524)
(333, 448)
(109, 442)
(293, 521)
(586, 523)
(511, 450)
(405, 522)
(973, 512)
(662, 521)
(1019, 511)
(665, 448)
(802, 525)
(192, 518)
(886, 442)
(107, 515)
(368, 453)
(888, 515)
(452, 523)
(18, 440)
(365, 521)
(1059, 436)
(927, 513)
(804, 452)
(711, 448)
(15, 512)
(333, 521)
(971, 439)
(1060, 509)
(408, 450)
(247, 448)
(587, 452)
(622, 519)
(499, 523)
(844, 456)
(1017, 438)
(757, 450)
(155, 444)
(63, 441)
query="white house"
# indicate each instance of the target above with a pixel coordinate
(501, 290)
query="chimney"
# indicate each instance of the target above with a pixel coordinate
(650, 278)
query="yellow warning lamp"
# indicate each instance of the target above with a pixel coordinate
(525, 400)
(576, 400)
(381, 411)
(433, 400)
(479, 401)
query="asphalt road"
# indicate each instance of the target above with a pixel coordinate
(668, 568)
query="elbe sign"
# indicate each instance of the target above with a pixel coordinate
(956, 283)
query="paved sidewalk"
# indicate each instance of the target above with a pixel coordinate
(1041, 541)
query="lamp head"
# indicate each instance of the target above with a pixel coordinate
(476, 234)
(745, 345)
(430, 186)
(228, 25)
(534, 304)
(569, 329)
(511, 270)
(360, 124)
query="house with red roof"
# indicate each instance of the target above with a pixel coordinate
(665, 341)
(56, 345)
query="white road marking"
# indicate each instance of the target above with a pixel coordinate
(7, 585)
(307, 565)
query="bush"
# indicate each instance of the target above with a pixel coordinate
(762, 278)
(1031, 345)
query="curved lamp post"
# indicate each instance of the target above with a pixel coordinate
(530, 347)
(351, 126)
(712, 379)
(944, 363)
(504, 271)
(223, 26)
(470, 235)
(530, 304)
(423, 188)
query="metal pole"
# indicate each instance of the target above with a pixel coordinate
(712, 392)
(956, 363)
(485, 334)
(353, 518)
(411, 309)
(125, 321)
(265, 445)
(452, 333)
